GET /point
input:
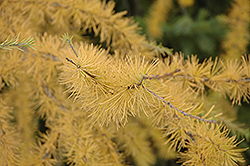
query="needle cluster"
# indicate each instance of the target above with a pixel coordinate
(79, 103)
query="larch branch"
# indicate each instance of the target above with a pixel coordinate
(179, 110)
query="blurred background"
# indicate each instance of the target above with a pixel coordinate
(206, 28)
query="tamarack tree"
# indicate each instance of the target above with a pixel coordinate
(81, 103)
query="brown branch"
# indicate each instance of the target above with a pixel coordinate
(205, 79)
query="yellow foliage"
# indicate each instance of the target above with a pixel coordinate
(158, 14)
(215, 150)
(133, 140)
(186, 3)
(237, 39)
(10, 139)
(101, 108)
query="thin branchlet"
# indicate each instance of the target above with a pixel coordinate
(162, 76)
(11, 43)
(71, 46)
(179, 110)
(71, 61)
(67, 38)
(165, 101)
(205, 79)
(79, 67)
(191, 136)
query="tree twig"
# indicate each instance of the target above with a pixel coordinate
(162, 76)
(71, 46)
(179, 110)
(78, 66)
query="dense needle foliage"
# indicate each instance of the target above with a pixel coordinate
(79, 85)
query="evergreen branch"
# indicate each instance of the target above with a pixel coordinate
(11, 43)
(179, 110)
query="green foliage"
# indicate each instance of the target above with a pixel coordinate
(129, 102)
(205, 34)
(11, 43)
(206, 28)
